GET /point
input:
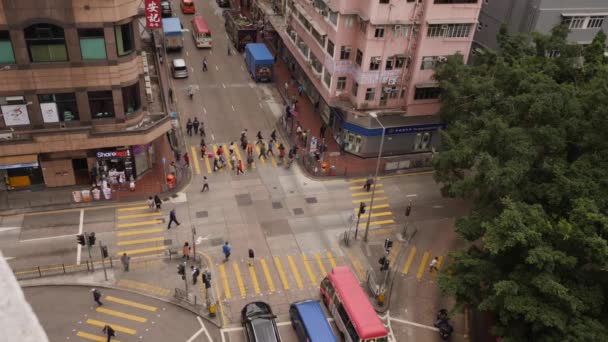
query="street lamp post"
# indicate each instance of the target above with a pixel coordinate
(371, 203)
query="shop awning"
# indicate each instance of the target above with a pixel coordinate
(452, 21)
(15, 162)
(427, 85)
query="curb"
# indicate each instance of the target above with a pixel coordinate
(112, 287)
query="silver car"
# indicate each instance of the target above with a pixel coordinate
(179, 68)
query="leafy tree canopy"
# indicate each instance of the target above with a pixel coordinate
(527, 143)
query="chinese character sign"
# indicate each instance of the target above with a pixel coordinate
(153, 14)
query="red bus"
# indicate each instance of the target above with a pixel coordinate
(201, 32)
(355, 317)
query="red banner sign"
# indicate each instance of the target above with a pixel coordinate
(153, 14)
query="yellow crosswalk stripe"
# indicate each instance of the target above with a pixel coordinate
(360, 180)
(267, 275)
(121, 315)
(394, 252)
(127, 217)
(140, 241)
(408, 262)
(439, 262)
(272, 158)
(377, 223)
(277, 263)
(367, 200)
(92, 337)
(365, 193)
(130, 303)
(294, 270)
(377, 206)
(238, 154)
(320, 263)
(239, 279)
(207, 163)
(194, 159)
(227, 154)
(225, 281)
(357, 187)
(384, 213)
(214, 146)
(254, 279)
(116, 327)
(422, 267)
(331, 259)
(140, 207)
(135, 285)
(311, 274)
(143, 250)
(139, 232)
(139, 224)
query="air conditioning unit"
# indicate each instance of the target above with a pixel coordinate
(442, 59)
(387, 89)
(397, 27)
(392, 81)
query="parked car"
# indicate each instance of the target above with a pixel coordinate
(165, 9)
(259, 323)
(223, 3)
(179, 68)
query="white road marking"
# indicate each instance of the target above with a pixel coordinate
(9, 258)
(80, 226)
(205, 110)
(217, 68)
(211, 52)
(4, 229)
(47, 238)
(428, 327)
(187, 54)
(212, 136)
(223, 85)
(437, 206)
(242, 68)
(201, 330)
(233, 108)
(260, 104)
(412, 195)
(191, 69)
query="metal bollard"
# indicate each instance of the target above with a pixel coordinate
(39, 273)
(63, 266)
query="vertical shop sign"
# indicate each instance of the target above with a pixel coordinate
(15, 115)
(153, 14)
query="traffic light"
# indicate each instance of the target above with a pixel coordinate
(91, 237)
(104, 251)
(181, 269)
(361, 208)
(382, 260)
(80, 239)
(385, 265)
(388, 244)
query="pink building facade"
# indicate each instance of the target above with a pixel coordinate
(360, 56)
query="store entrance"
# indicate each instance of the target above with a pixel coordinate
(81, 171)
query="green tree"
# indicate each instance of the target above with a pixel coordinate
(527, 143)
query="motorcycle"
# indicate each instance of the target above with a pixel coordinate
(442, 323)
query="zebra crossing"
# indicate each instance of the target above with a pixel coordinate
(140, 231)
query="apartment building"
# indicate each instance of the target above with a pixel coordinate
(356, 57)
(585, 18)
(73, 95)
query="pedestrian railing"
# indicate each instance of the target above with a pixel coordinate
(58, 269)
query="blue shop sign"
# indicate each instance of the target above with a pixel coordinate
(18, 166)
(392, 130)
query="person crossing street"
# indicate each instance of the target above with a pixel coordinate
(226, 250)
(97, 296)
(172, 218)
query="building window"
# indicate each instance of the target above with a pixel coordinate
(374, 63)
(422, 141)
(130, 99)
(400, 31)
(362, 25)
(333, 18)
(46, 43)
(7, 55)
(59, 107)
(399, 62)
(348, 21)
(427, 93)
(431, 62)
(393, 92)
(101, 104)
(390, 63)
(449, 30)
(124, 39)
(359, 57)
(574, 22)
(318, 37)
(355, 88)
(341, 85)
(384, 1)
(330, 48)
(455, 1)
(379, 33)
(92, 44)
(316, 64)
(370, 94)
(595, 22)
(345, 52)
(327, 78)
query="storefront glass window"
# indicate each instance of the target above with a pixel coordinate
(46, 43)
(65, 108)
(422, 141)
(130, 99)
(101, 104)
(92, 43)
(124, 39)
(6, 49)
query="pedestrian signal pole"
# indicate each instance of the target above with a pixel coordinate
(104, 255)
(361, 212)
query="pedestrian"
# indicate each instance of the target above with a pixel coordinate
(271, 147)
(205, 184)
(186, 159)
(299, 131)
(195, 273)
(151, 203)
(263, 151)
(97, 296)
(243, 142)
(216, 164)
(189, 127)
(186, 251)
(368, 183)
(300, 90)
(223, 160)
(281, 152)
(201, 129)
(172, 218)
(286, 85)
(249, 160)
(433, 265)
(170, 95)
(323, 129)
(305, 137)
(233, 161)
(204, 64)
(226, 250)
(220, 151)
(249, 150)
(109, 332)
(251, 257)
(172, 168)
(231, 147)
(125, 260)
(229, 51)
(195, 125)
(203, 149)
(273, 135)
(244, 133)
(239, 168)
(158, 202)
(259, 135)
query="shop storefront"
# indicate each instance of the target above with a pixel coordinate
(23, 175)
(114, 165)
(144, 156)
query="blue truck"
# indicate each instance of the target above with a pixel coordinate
(172, 31)
(259, 62)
